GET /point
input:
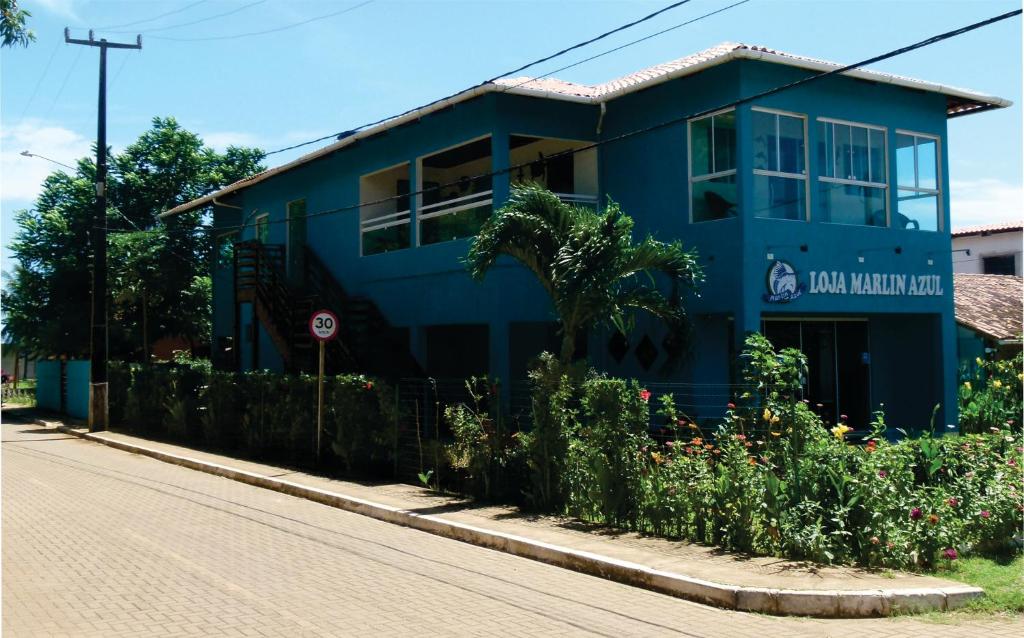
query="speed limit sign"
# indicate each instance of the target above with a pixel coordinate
(323, 325)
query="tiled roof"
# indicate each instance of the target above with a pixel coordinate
(958, 101)
(989, 304)
(988, 229)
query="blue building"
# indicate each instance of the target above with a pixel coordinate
(820, 213)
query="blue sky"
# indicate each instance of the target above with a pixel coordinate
(332, 74)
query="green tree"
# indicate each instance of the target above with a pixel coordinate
(12, 25)
(586, 261)
(158, 273)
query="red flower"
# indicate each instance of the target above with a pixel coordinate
(871, 446)
(369, 385)
(952, 501)
(915, 513)
(985, 513)
(645, 394)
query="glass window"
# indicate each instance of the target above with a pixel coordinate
(224, 252)
(263, 228)
(917, 193)
(853, 178)
(780, 180)
(713, 167)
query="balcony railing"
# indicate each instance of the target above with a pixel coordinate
(578, 198)
(454, 218)
(384, 233)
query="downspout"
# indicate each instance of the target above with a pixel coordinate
(600, 118)
(216, 203)
(597, 152)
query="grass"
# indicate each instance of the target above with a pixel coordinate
(1002, 580)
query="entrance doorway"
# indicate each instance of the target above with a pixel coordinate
(838, 363)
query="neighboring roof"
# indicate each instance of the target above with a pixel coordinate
(989, 229)
(958, 101)
(989, 304)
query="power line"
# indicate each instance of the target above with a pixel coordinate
(63, 84)
(199, 21)
(39, 82)
(162, 15)
(274, 30)
(489, 81)
(676, 120)
(628, 44)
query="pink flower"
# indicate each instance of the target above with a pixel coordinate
(985, 513)
(645, 394)
(915, 513)
(741, 437)
(949, 553)
(843, 417)
(670, 443)
(730, 405)
(883, 473)
(952, 501)
(875, 540)
(1012, 463)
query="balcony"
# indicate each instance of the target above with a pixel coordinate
(384, 216)
(456, 196)
(558, 165)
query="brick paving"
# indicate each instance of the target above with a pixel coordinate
(98, 542)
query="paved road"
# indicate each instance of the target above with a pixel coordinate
(102, 542)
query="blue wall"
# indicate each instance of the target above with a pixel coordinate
(48, 385)
(78, 389)
(913, 338)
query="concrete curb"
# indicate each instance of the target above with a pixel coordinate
(783, 602)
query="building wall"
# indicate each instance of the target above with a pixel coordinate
(648, 175)
(986, 246)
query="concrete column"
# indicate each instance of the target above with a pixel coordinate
(948, 376)
(499, 162)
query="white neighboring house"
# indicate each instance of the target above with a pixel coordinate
(992, 249)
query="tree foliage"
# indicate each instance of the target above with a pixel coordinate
(157, 272)
(586, 261)
(12, 25)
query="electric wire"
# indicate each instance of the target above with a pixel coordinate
(675, 120)
(67, 77)
(162, 15)
(274, 30)
(199, 21)
(39, 82)
(489, 81)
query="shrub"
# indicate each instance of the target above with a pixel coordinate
(992, 397)
(482, 449)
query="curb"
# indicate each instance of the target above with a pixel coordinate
(781, 602)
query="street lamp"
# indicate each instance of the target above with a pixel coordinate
(27, 154)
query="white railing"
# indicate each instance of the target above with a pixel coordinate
(577, 198)
(450, 206)
(384, 221)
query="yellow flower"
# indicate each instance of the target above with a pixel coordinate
(967, 384)
(775, 420)
(997, 384)
(840, 431)
(978, 360)
(776, 434)
(767, 414)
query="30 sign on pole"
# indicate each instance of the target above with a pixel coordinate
(323, 326)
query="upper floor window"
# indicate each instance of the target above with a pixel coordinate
(853, 179)
(713, 166)
(917, 181)
(780, 165)
(455, 198)
(263, 228)
(224, 250)
(384, 215)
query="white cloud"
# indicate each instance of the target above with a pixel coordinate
(985, 201)
(63, 8)
(20, 176)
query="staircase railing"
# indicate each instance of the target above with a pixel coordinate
(260, 278)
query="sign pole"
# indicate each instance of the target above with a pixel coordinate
(323, 326)
(320, 403)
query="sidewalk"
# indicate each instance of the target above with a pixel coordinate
(703, 574)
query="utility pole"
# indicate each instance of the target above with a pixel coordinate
(98, 410)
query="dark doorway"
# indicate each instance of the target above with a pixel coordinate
(838, 365)
(457, 351)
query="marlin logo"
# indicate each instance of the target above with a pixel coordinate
(782, 283)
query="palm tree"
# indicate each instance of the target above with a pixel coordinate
(586, 261)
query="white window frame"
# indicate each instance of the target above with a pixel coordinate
(419, 184)
(884, 186)
(256, 225)
(710, 176)
(778, 161)
(937, 192)
(396, 218)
